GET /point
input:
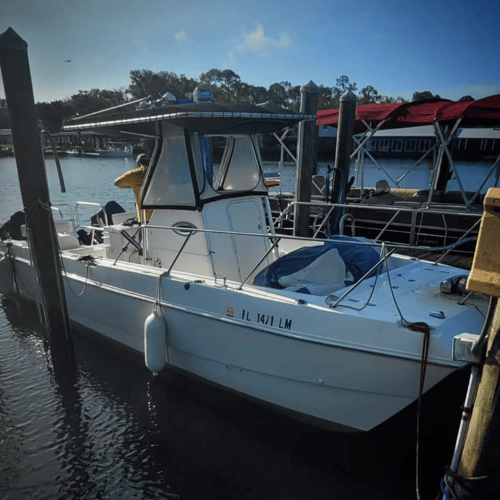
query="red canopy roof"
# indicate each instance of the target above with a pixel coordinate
(484, 112)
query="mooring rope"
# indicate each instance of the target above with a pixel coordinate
(158, 291)
(14, 273)
(90, 262)
(424, 328)
(40, 304)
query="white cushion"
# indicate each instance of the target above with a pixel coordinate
(327, 270)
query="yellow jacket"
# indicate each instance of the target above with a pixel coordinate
(133, 180)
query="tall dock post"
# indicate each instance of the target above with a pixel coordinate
(40, 226)
(307, 152)
(480, 461)
(479, 469)
(347, 117)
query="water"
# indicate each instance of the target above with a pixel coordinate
(110, 431)
(399, 173)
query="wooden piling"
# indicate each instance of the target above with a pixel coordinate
(481, 453)
(307, 152)
(347, 117)
(41, 231)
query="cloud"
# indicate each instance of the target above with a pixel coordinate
(258, 42)
(181, 36)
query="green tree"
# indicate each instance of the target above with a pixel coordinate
(252, 94)
(344, 85)
(466, 98)
(213, 80)
(230, 83)
(146, 83)
(390, 100)
(369, 95)
(89, 101)
(52, 114)
(277, 95)
(185, 86)
(325, 97)
(426, 94)
(224, 84)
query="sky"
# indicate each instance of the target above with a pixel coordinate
(450, 48)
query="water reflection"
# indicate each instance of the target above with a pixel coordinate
(112, 431)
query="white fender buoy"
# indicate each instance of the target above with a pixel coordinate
(155, 342)
(6, 276)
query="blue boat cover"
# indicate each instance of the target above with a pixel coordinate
(321, 269)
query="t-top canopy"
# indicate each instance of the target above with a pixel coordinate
(483, 112)
(207, 118)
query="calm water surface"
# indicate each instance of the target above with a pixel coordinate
(108, 431)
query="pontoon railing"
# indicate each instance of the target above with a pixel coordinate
(415, 228)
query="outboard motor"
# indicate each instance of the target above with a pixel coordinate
(12, 228)
(111, 208)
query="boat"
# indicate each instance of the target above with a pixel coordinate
(6, 151)
(329, 331)
(79, 152)
(49, 152)
(116, 150)
(272, 179)
(464, 128)
(438, 131)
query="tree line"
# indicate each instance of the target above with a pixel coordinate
(226, 86)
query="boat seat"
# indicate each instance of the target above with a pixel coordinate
(64, 236)
(63, 226)
(67, 241)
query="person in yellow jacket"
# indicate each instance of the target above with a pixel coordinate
(133, 180)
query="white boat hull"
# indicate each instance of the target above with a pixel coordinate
(339, 386)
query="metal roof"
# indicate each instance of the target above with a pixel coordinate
(199, 117)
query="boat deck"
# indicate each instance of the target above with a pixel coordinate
(455, 260)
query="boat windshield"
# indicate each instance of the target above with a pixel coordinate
(171, 182)
(193, 168)
(238, 169)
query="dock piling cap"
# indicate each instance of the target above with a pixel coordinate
(492, 199)
(485, 272)
(9, 39)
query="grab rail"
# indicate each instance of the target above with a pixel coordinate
(277, 239)
(342, 224)
(355, 285)
(90, 204)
